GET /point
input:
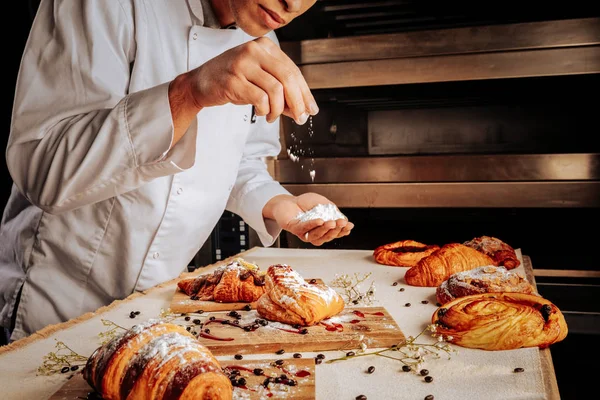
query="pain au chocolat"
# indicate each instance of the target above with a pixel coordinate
(502, 253)
(500, 321)
(289, 299)
(238, 281)
(449, 259)
(486, 279)
(156, 361)
(405, 253)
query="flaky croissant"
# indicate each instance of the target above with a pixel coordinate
(500, 321)
(449, 259)
(291, 300)
(500, 252)
(405, 253)
(238, 281)
(156, 361)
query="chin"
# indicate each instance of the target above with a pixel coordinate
(253, 29)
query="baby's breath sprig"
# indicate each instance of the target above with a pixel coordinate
(409, 352)
(63, 359)
(351, 285)
(113, 330)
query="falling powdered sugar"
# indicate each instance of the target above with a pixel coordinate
(326, 212)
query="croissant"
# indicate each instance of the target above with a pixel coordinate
(500, 252)
(291, 300)
(484, 279)
(154, 361)
(405, 253)
(449, 259)
(238, 281)
(500, 321)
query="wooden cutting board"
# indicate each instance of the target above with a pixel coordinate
(301, 370)
(344, 331)
(181, 303)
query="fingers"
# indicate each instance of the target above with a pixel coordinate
(274, 91)
(329, 231)
(299, 101)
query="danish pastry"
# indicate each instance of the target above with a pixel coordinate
(486, 279)
(405, 253)
(156, 360)
(500, 321)
(500, 252)
(449, 259)
(291, 300)
(238, 281)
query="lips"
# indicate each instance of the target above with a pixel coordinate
(271, 18)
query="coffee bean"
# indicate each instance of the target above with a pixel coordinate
(64, 369)
(371, 369)
(401, 289)
(303, 331)
(197, 321)
(428, 378)
(187, 318)
(258, 371)
(406, 368)
(241, 382)
(313, 281)
(350, 354)
(292, 382)
(238, 356)
(361, 397)
(407, 305)
(519, 369)
(137, 313)
(207, 330)
(279, 362)
(424, 372)
(247, 307)
(321, 356)
(425, 302)
(281, 351)
(395, 284)
(74, 367)
(200, 312)
(318, 360)
(297, 355)
(429, 397)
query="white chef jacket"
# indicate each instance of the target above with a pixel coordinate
(102, 205)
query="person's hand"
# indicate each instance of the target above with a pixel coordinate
(284, 209)
(257, 73)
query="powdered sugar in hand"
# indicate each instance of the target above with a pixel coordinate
(326, 212)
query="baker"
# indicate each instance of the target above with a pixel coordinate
(134, 126)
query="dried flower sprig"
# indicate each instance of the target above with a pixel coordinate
(63, 359)
(409, 352)
(113, 330)
(351, 285)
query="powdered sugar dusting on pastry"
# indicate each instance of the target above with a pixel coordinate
(326, 212)
(292, 279)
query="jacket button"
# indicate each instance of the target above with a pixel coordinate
(180, 190)
(155, 255)
(245, 117)
(195, 36)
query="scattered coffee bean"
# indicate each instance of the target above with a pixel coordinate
(354, 301)
(424, 372)
(234, 372)
(279, 362)
(241, 382)
(247, 307)
(438, 304)
(263, 322)
(74, 367)
(425, 302)
(258, 371)
(254, 326)
(519, 369)
(248, 328)
(429, 397)
(235, 322)
(267, 381)
(313, 281)
(187, 318)
(318, 360)
(350, 354)
(64, 369)
(238, 356)
(132, 314)
(296, 326)
(361, 397)
(281, 351)
(292, 382)
(303, 331)
(212, 318)
(321, 356)
(406, 368)
(395, 284)
(429, 378)
(200, 312)
(207, 330)
(297, 355)
(283, 377)
(197, 321)
(401, 289)
(407, 305)
(137, 313)
(371, 369)
(189, 328)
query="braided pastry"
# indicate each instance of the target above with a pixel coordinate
(238, 281)
(405, 253)
(500, 252)
(500, 321)
(484, 279)
(156, 361)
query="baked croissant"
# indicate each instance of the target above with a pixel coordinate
(291, 300)
(487, 279)
(500, 252)
(155, 361)
(449, 259)
(405, 253)
(500, 321)
(238, 281)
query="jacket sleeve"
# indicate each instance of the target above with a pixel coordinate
(254, 186)
(77, 136)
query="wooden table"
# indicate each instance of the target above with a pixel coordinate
(468, 374)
